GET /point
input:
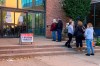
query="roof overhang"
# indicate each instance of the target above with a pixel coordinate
(95, 1)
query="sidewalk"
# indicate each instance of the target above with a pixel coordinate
(78, 59)
(36, 41)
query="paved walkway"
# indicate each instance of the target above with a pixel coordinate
(60, 60)
(37, 41)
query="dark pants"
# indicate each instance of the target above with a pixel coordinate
(70, 39)
(59, 34)
(79, 42)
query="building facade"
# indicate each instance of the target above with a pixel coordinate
(94, 16)
(35, 16)
(22, 16)
(53, 11)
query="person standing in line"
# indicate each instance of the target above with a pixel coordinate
(54, 29)
(71, 20)
(70, 35)
(59, 30)
(89, 39)
(79, 34)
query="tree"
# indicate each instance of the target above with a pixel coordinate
(2, 2)
(77, 9)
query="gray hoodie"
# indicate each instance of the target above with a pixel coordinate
(89, 33)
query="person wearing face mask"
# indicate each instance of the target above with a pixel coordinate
(70, 35)
(89, 39)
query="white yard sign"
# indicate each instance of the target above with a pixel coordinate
(26, 37)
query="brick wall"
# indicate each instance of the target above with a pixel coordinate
(53, 10)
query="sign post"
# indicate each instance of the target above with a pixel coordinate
(26, 37)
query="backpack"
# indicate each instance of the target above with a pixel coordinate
(65, 30)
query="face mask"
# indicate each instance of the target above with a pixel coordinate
(87, 26)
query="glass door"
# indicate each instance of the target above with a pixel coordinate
(39, 24)
(36, 24)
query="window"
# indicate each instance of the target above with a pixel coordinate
(38, 2)
(8, 3)
(27, 3)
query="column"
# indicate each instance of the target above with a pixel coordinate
(33, 21)
(94, 13)
(33, 4)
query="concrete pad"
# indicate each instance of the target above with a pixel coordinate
(66, 61)
(23, 62)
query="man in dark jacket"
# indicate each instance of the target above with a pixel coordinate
(59, 30)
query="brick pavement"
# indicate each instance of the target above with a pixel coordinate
(56, 60)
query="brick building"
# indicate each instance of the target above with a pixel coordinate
(53, 10)
(36, 16)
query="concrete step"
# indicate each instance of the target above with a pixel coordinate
(28, 46)
(31, 48)
(26, 50)
(96, 47)
(37, 50)
(36, 46)
(34, 54)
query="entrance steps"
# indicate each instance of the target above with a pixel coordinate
(13, 51)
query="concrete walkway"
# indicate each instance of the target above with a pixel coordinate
(57, 60)
(63, 60)
(37, 41)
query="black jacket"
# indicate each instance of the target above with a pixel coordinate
(79, 31)
(60, 25)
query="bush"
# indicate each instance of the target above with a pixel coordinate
(77, 9)
(98, 42)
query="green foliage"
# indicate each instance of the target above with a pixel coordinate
(2, 2)
(4, 14)
(98, 42)
(77, 8)
(28, 21)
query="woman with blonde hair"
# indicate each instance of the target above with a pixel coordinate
(79, 34)
(89, 39)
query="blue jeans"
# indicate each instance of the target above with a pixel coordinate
(89, 46)
(54, 35)
(59, 34)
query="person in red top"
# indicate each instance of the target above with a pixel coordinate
(54, 29)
